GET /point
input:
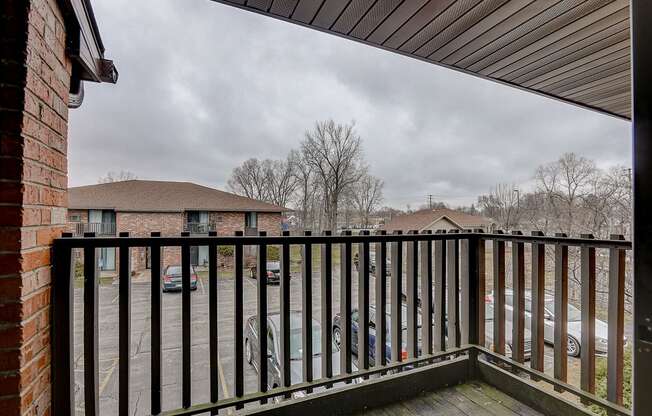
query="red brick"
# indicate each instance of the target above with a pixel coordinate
(35, 259)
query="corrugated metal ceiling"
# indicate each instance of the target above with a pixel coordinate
(577, 51)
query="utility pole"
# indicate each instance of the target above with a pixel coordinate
(430, 201)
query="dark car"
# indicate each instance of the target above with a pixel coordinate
(273, 272)
(172, 278)
(337, 333)
(296, 352)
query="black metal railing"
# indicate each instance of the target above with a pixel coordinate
(107, 229)
(199, 227)
(444, 283)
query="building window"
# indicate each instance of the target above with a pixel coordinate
(251, 220)
(75, 218)
(220, 218)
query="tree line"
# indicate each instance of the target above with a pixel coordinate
(324, 179)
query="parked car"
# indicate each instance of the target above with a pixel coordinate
(337, 333)
(574, 326)
(253, 356)
(372, 263)
(273, 272)
(172, 278)
(489, 332)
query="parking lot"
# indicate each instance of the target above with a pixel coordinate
(171, 359)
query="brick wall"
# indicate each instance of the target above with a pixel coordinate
(142, 224)
(229, 222)
(269, 222)
(34, 84)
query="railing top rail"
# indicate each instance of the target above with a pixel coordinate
(102, 241)
(567, 241)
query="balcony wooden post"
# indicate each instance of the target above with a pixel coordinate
(641, 14)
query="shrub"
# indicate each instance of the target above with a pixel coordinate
(225, 251)
(273, 253)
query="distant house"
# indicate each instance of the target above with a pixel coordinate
(438, 219)
(141, 207)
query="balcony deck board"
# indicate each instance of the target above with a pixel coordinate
(469, 399)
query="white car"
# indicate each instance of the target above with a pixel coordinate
(574, 323)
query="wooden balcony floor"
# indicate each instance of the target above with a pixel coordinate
(469, 399)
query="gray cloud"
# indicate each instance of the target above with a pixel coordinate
(204, 86)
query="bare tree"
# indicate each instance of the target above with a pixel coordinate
(282, 180)
(111, 176)
(248, 179)
(566, 183)
(268, 180)
(367, 196)
(502, 204)
(333, 153)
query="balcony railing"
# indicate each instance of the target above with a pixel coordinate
(107, 229)
(443, 280)
(199, 227)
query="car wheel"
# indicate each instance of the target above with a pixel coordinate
(573, 348)
(248, 353)
(337, 335)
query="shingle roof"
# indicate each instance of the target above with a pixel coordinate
(421, 219)
(161, 196)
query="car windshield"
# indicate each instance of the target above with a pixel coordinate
(174, 270)
(574, 314)
(273, 265)
(296, 341)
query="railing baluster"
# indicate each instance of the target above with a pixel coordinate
(587, 348)
(477, 285)
(397, 299)
(212, 321)
(426, 294)
(326, 258)
(538, 298)
(186, 342)
(453, 289)
(439, 334)
(616, 320)
(561, 310)
(284, 303)
(155, 367)
(381, 301)
(63, 378)
(412, 289)
(124, 318)
(363, 303)
(306, 310)
(464, 292)
(261, 295)
(345, 305)
(499, 294)
(518, 300)
(238, 328)
(91, 328)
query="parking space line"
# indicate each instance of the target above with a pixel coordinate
(223, 383)
(201, 285)
(106, 379)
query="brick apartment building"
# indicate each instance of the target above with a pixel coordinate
(141, 207)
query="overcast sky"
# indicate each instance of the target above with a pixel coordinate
(205, 86)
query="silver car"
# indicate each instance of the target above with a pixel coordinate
(574, 323)
(489, 333)
(253, 356)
